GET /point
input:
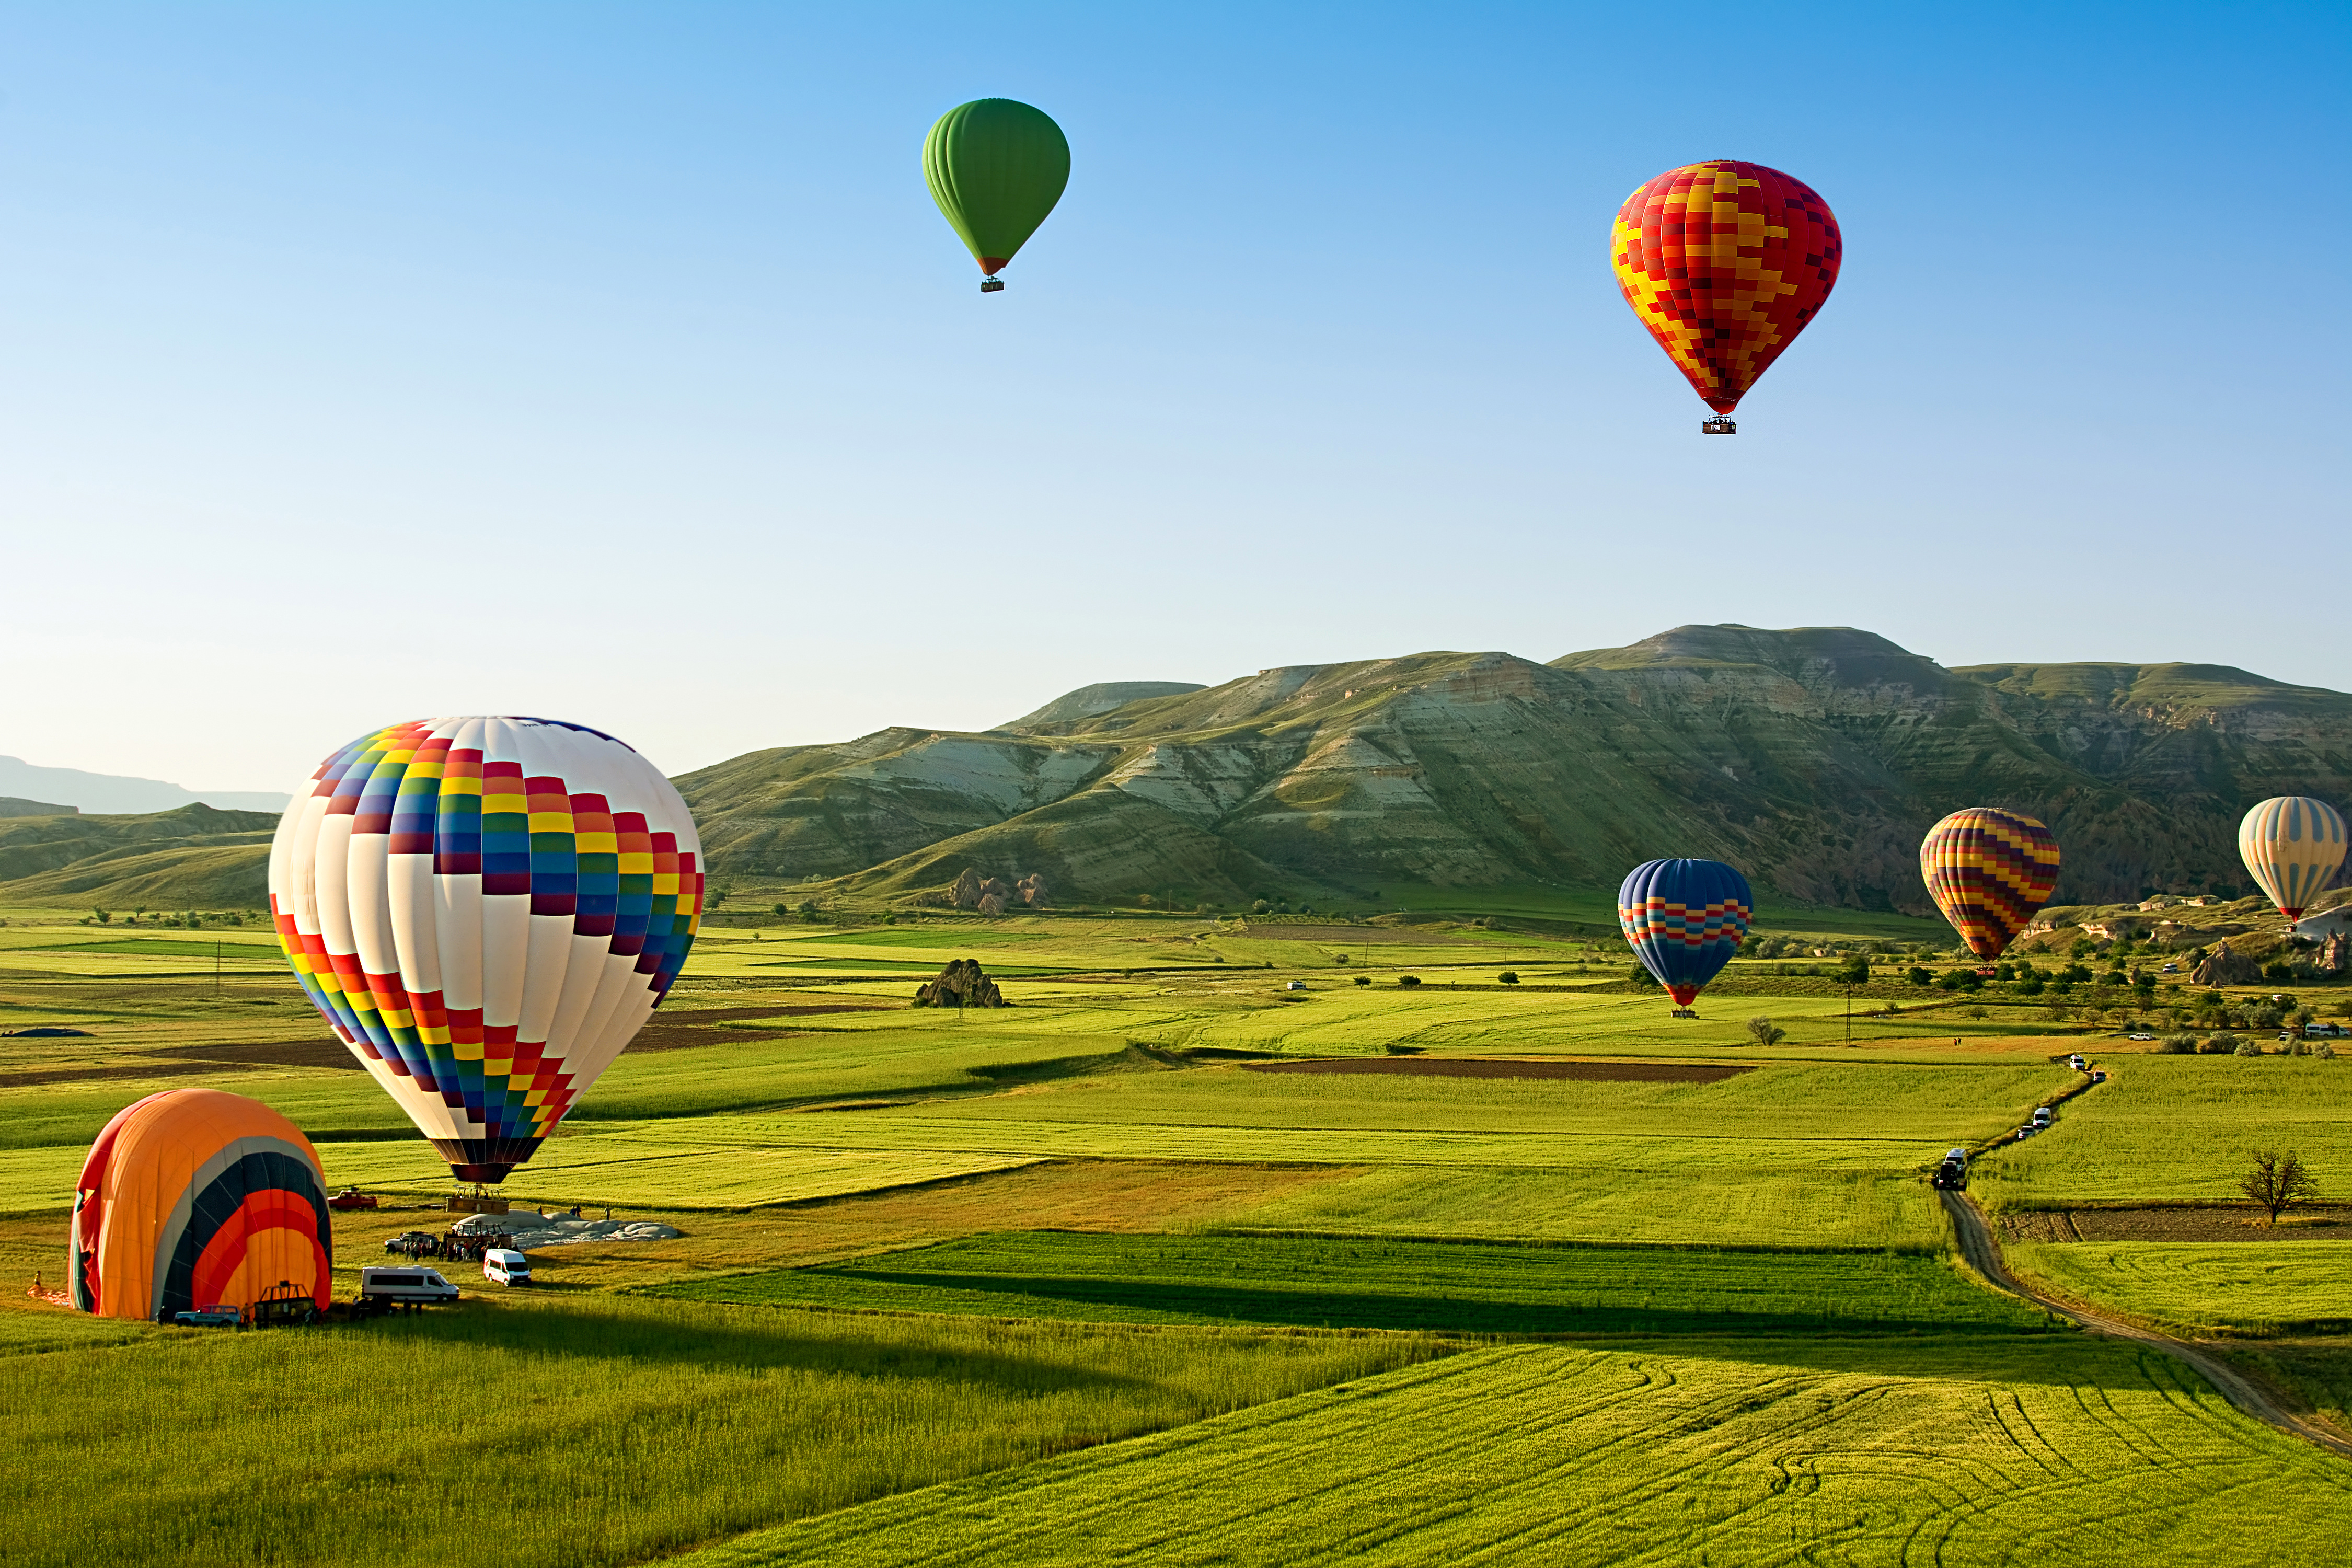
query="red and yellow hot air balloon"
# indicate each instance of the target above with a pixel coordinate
(1726, 263)
(1990, 871)
(193, 1198)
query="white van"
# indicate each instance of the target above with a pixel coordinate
(411, 1285)
(505, 1266)
(2043, 1115)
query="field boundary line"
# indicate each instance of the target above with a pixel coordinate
(2244, 1392)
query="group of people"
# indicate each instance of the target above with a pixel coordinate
(457, 1246)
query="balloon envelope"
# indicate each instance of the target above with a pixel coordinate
(996, 167)
(486, 909)
(2294, 846)
(1685, 920)
(1990, 871)
(195, 1197)
(1724, 263)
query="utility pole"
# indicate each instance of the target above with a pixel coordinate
(216, 947)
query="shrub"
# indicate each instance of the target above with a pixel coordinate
(783, 909)
(1261, 907)
(1915, 976)
(2278, 969)
(1408, 979)
(2220, 1045)
(1643, 978)
(2176, 1046)
(1364, 980)
(2247, 1048)
(1509, 978)
(2323, 1051)
(1765, 1032)
(1974, 1012)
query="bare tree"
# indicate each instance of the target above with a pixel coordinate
(2278, 1182)
(1765, 1032)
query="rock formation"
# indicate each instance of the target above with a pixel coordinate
(2224, 967)
(961, 984)
(965, 894)
(1032, 889)
(2335, 955)
(992, 903)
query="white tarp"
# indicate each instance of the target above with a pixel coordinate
(531, 1229)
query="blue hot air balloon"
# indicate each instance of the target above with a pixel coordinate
(1686, 919)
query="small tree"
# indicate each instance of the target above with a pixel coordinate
(105, 917)
(2278, 1182)
(1643, 978)
(784, 909)
(1509, 978)
(1974, 1012)
(1855, 970)
(1364, 980)
(1408, 979)
(1765, 1032)
(1261, 907)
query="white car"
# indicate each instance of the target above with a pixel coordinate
(405, 1287)
(1295, 985)
(2140, 1037)
(2077, 1063)
(505, 1266)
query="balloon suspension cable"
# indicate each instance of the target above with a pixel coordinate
(1719, 426)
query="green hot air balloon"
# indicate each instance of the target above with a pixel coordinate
(996, 168)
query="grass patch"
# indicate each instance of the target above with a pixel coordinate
(641, 1426)
(2060, 1451)
(2205, 1288)
(1365, 1283)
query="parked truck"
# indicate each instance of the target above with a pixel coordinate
(1952, 1176)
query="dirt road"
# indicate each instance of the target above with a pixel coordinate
(1984, 1252)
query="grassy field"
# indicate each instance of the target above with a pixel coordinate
(1359, 1283)
(929, 1256)
(2050, 1451)
(636, 1428)
(2236, 1287)
(2175, 1128)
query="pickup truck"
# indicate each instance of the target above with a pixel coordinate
(351, 1198)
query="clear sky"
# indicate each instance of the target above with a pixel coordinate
(364, 363)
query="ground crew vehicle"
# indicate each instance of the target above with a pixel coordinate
(381, 1290)
(505, 1266)
(1953, 1173)
(2077, 1063)
(220, 1315)
(2043, 1116)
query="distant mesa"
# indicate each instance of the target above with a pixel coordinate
(111, 794)
(12, 807)
(1087, 701)
(961, 984)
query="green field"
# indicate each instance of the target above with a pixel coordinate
(2236, 1287)
(1072, 1282)
(1361, 1283)
(1746, 1452)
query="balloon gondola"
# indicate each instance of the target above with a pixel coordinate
(1685, 919)
(486, 911)
(1724, 263)
(1990, 871)
(996, 167)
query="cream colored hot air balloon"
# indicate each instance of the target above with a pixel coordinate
(2294, 846)
(486, 909)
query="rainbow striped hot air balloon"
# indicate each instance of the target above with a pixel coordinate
(1990, 871)
(193, 1198)
(2294, 846)
(1685, 920)
(486, 909)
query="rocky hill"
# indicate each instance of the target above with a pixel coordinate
(1813, 759)
(193, 858)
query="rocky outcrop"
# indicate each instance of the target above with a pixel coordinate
(2224, 967)
(2335, 953)
(1032, 889)
(961, 984)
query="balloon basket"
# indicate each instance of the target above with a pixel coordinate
(1717, 425)
(1683, 1012)
(992, 285)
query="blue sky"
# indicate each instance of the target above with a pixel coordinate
(610, 362)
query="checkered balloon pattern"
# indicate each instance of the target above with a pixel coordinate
(486, 909)
(1990, 871)
(1685, 919)
(1724, 263)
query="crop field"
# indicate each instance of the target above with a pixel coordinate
(638, 1426)
(1078, 1255)
(2176, 1129)
(2055, 1451)
(2233, 1286)
(1361, 1283)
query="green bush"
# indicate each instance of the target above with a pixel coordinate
(1916, 975)
(2176, 1046)
(1509, 978)
(2222, 1044)
(2247, 1048)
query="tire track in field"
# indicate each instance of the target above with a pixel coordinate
(2247, 1396)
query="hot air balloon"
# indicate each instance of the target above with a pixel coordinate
(996, 168)
(192, 1198)
(2294, 846)
(1990, 871)
(1686, 919)
(1724, 263)
(486, 909)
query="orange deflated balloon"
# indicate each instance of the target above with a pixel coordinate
(1724, 263)
(1990, 871)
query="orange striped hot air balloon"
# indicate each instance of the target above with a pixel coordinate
(192, 1198)
(2294, 846)
(1724, 263)
(1990, 871)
